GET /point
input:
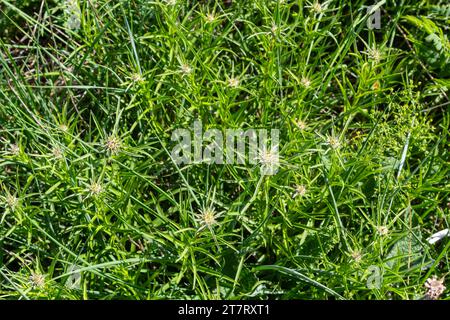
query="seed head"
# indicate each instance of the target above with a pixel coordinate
(63, 127)
(376, 85)
(137, 78)
(374, 54)
(274, 28)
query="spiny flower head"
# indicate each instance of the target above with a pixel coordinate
(210, 17)
(207, 217)
(382, 230)
(14, 149)
(435, 287)
(374, 54)
(305, 82)
(185, 69)
(300, 190)
(37, 280)
(113, 144)
(333, 142)
(57, 152)
(317, 7)
(95, 189)
(233, 82)
(301, 124)
(11, 201)
(356, 256)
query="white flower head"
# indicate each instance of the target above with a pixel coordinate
(317, 7)
(333, 142)
(269, 160)
(435, 287)
(301, 124)
(14, 149)
(233, 82)
(185, 69)
(37, 280)
(95, 189)
(73, 15)
(11, 202)
(207, 217)
(73, 22)
(356, 256)
(382, 230)
(210, 18)
(113, 144)
(300, 190)
(374, 54)
(57, 152)
(305, 82)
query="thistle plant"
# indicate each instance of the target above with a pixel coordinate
(91, 93)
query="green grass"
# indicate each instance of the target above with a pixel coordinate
(364, 129)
